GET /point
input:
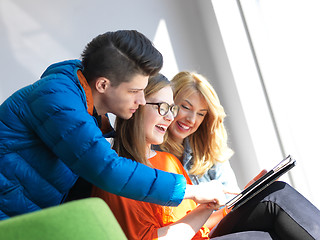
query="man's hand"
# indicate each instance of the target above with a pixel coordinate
(209, 192)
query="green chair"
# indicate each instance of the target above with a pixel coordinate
(88, 219)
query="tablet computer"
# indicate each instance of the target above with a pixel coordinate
(281, 168)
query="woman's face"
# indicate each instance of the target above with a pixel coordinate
(191, 114)
(155, 124)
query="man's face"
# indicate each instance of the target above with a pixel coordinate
(124, 99)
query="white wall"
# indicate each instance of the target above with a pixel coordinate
(37, 33)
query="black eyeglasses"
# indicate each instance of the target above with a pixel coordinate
(163, 108)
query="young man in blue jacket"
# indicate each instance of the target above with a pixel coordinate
(50, 135)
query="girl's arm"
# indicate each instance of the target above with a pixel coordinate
(189, 225)
(216, 217)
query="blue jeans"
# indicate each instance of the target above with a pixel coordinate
(278, 212)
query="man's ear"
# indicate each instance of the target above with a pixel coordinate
(102, 84)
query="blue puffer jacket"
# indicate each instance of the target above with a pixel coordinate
(48, 139)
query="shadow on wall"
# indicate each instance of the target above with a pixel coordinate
(33, 35)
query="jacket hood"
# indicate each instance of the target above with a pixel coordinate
(67, 68)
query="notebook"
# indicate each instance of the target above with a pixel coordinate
(281, 168)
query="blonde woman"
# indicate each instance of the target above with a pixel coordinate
(197, 135)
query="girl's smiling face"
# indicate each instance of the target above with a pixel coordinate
(155, 124)
(192, 111)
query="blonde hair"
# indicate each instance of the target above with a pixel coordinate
(209, 141)
(130, 141)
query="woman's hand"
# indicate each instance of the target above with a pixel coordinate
(263, 172)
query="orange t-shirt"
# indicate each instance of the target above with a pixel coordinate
(141, 220)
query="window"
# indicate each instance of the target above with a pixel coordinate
(281, 48)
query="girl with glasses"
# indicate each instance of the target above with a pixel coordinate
(140, 220)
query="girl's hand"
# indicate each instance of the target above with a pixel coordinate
(263, 172)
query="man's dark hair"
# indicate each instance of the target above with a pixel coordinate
(120, 55)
